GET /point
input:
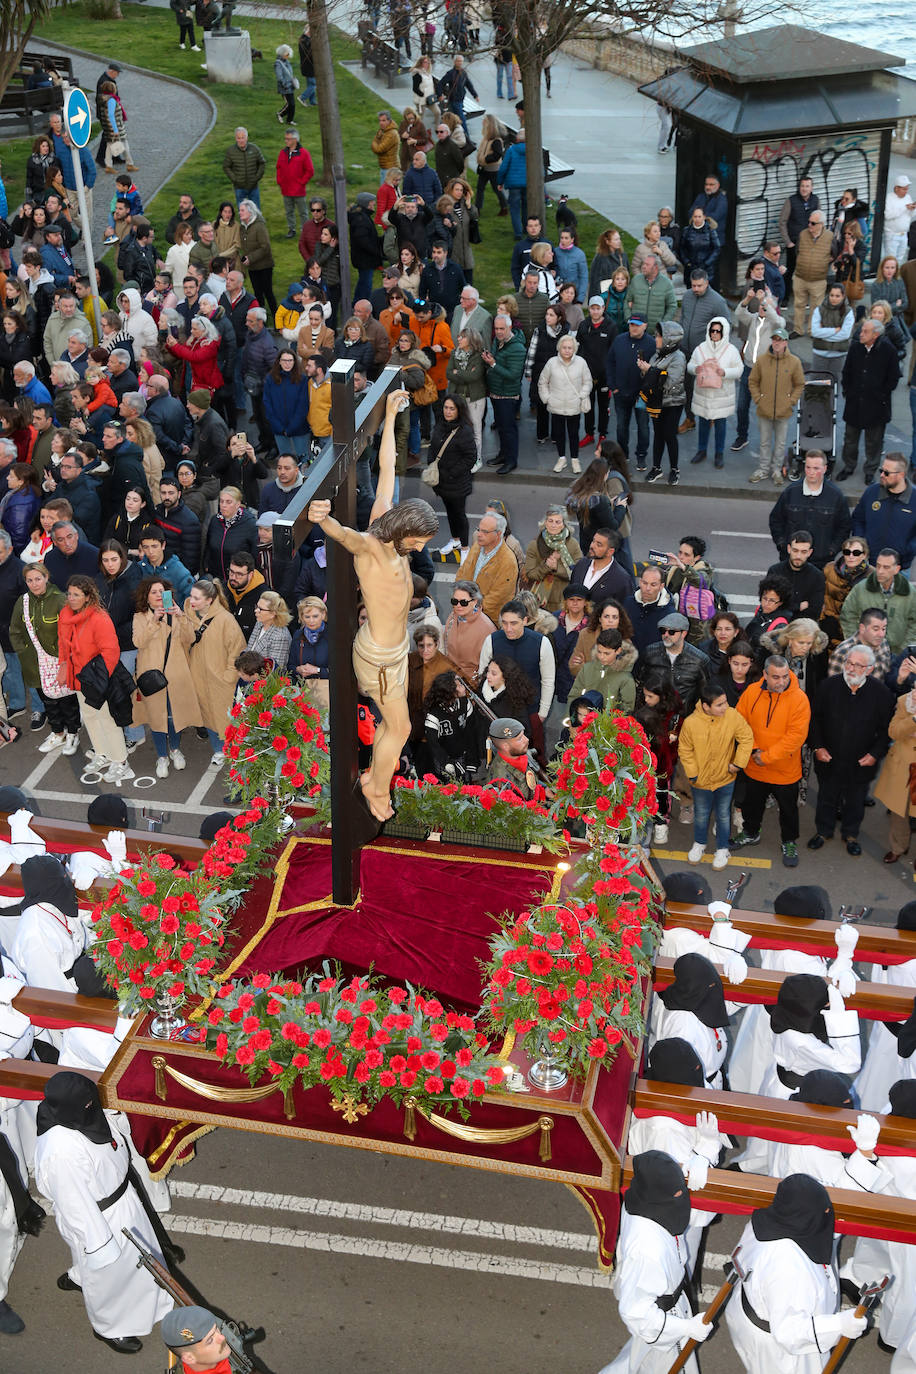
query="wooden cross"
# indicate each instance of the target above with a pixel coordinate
(332, 476)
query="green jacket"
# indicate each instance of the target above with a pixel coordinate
(531, 312)
(244, 166)
(255, 241)
(467, 377)
(900, 607)
(505, 376)
(616, 685)
(43, 613)
(653, 301)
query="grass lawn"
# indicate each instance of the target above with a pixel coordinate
(148, 38)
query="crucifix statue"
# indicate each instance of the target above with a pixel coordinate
(377, 653)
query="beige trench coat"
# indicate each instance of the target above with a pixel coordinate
(212, 661)
(893, 786)
(150, 638)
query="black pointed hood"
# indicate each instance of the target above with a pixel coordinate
(800, 1211)
(72, 1100)
(697, 987)
(659, 1192)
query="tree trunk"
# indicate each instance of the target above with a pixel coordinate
(328, 121)
(12, 46)
(530, 67)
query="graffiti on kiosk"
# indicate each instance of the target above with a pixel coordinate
(768, 174)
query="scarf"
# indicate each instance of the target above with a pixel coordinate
(313, 636)
(556, 543)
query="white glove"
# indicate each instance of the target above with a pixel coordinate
(698, 1330)
(865, 1133)
(115, 843)
(707, 1141)
(842, 974)
(850, 1325)
(697, 1173)
(735, 968)
(720, 912)
(847, 937)
(835, 998)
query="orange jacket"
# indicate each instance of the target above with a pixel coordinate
(102, 395)
(779, 721)
(436, 331)
(83, 634)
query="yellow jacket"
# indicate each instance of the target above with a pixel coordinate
(286, 318)
(708, 744)
(320, 409)
(387, 146)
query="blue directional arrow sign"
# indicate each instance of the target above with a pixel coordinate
(77, 117)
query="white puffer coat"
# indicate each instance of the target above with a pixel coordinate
(711, 402)
(566, 388)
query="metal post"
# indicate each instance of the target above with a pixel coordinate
(342, 597)
(86, 224)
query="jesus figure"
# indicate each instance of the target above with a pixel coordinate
(381, 645)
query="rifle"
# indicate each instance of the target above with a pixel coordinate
(733, 1274)
(234, 1333)
(869, 1296)
(489, 714)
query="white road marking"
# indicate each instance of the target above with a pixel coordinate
(400, 1251)
(43, 766)
(387, 1216)
(740, 534)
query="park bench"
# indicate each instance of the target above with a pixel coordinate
(33, 61)
(381, 56)
(32, 108)
(554, 167)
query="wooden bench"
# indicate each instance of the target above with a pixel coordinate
(383, 57)
(30, 107)
(31, 62)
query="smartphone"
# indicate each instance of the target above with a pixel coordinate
(168, 601)
(659, 559)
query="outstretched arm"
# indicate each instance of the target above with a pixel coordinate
(320, 514)
(384, 490)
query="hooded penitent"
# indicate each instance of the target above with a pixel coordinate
(825, 1088)
(675, 1061)
(659, 1192)
(805, 903)
(71, 1100)
(800, 1005)
(800, 1211)
(45, 881)
(690, 888)
(697, 987)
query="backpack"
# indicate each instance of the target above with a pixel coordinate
(7, 237)
(697, 600)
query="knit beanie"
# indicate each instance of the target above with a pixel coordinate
(200, 397)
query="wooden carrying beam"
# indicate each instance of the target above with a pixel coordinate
(857, 1214)
(73, 835)
(873, 1001)
(57, 1010)
(876, 944)
(25, 1079)
(769, 1118)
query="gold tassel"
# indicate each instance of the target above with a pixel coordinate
(544, 1151)
(158, 1062)
(410, 1118)
(288, 1105)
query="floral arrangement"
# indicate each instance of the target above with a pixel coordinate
(605, 775)
(497, 809)
(159, 929)
(365, 1040)
(277, 747)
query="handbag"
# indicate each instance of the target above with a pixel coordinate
(48, 666)
(154, 680)
(912, 784)
(430, 473)
(855, 286)
(708, 374)
(116, 147)
(474, 232)
(427, 394)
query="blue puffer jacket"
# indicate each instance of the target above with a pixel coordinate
(18, 511)
(512, 169)
(571, 266)
(287, 405)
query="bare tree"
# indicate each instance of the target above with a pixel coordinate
(17, 22)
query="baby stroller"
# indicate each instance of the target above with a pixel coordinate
(815, 421)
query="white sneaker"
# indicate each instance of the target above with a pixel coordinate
(178, 760)
(162, 768)
(659, 834)
(695, 853)
(118, 772)
(217, 760)
(97, 763)
(576, 465)
(560, 465)
(448, 548)
(181, 46)
(195, 48)
(721, 858)
(71, 744)
(51, 743)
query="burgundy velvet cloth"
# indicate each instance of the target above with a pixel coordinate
(420, 919)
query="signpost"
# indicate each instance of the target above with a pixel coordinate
(333, 476)
(78, 123)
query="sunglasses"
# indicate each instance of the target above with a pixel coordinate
(856, 553)
(672, 632)
(715, 331)
(456, 602)
(888, 472)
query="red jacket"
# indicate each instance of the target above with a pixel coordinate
(83, 634)
(202, 357)
(294, 171)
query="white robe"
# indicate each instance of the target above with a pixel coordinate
(711, 1045)
(790, 1292)
(91, 1049)
(121, 1300)
(46, 943)
(881, 1059)
(904, 1361)
(677, 1139)
(830, 1167)
(872, 1259)
(650, 1263)
(17, 1118)
(753, 1049)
